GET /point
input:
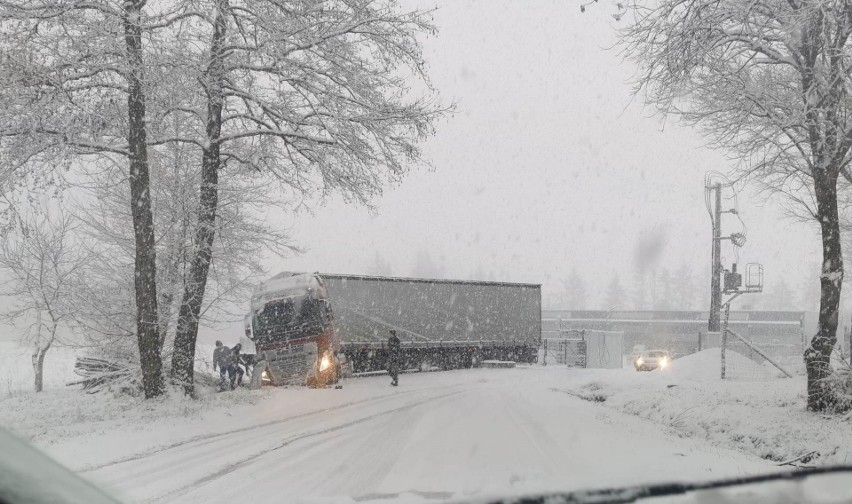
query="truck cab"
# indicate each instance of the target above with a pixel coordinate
(292, 326)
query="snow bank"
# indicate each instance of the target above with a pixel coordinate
(83, 430)
(706, 366)
(521, 432)
(80, 429)
(498, 364)
(764, 417)
(373, 442)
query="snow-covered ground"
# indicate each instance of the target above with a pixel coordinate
(766, 417)
(439, 436)
(16, 370)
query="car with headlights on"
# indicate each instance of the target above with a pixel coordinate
(653, 359)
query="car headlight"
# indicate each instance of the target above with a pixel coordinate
(664, 362)
(324, 363)
(639, 361)
(264, 375)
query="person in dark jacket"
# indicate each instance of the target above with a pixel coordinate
(394, 357)
(221, 360)
(236, 372)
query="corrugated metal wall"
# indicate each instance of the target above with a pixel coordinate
(426, 311)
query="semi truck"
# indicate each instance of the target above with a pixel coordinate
(311, 327)
(292, 326)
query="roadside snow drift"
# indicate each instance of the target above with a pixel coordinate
(438, 436)
(455, 435)
(766, 417)
(706, 366)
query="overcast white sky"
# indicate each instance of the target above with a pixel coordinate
(549, 164)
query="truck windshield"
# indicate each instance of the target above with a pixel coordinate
(291, 318)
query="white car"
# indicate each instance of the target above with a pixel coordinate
(652, 359)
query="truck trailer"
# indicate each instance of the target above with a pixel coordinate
(444, 324)
(310, 327)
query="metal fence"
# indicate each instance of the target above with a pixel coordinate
(582, 348)
(778, 335)
(764, 342)
(567, 352)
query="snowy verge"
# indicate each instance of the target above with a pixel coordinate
(766, 417)
(84, 431)
(56, 418)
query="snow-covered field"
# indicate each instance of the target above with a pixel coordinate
(16, 370)
(439, 436)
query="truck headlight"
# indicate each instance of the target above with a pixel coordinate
(324, 363)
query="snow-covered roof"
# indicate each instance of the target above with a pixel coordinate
(282, 286)
(340, 276)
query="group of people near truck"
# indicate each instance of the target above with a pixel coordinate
(232, 364)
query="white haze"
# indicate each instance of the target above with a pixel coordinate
(550, 164)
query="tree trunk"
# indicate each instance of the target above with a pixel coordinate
(38, 368)
(38, 362)
(147, 328)
(821, 396)
(183, 357)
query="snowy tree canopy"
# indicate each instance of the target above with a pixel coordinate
(767, 82)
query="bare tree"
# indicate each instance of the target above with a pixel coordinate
(683, 288)
(780, 296)
(615, 295)
(313, 96)
(42, 263)
(426, 267)
(380, 266)
(768, 82)
(663, 298)
(639, 292)
(106, 307)
(808, 289)
(74, 88)
(575, 291)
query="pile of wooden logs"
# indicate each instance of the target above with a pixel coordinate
(98, 375)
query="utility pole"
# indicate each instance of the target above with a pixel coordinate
(715, 287)
(733, 279)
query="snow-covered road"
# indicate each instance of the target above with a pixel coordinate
(448, 435)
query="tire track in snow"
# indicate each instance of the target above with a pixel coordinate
(218, 435)
(169, 496)
(379, 450)
(518, 410)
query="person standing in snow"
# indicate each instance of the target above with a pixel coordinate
(248, 353)
(394, 357)
(221, 359)
(236, 372)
